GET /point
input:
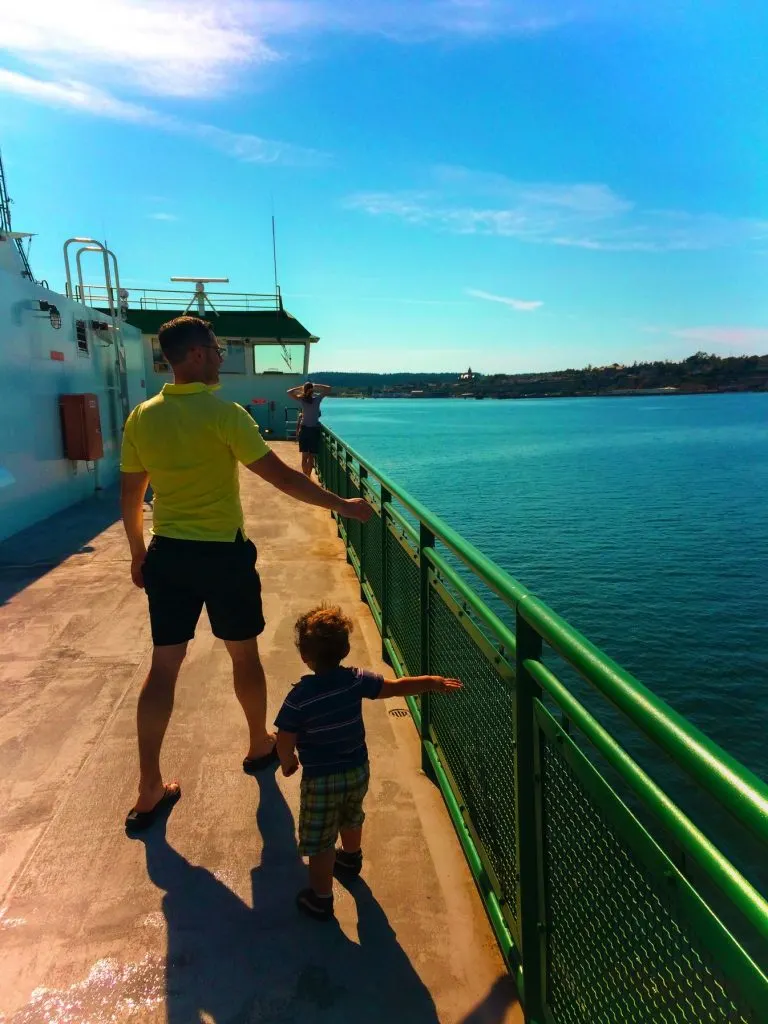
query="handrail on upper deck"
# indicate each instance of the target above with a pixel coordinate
(160, 298)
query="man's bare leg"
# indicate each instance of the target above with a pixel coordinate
(307, 463)
(152, 716)
(251, 691)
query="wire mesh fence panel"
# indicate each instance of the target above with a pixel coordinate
(609, 920)
(354, 526)
(403, 611)
(619, 949)
(371, 547)
(475, 733)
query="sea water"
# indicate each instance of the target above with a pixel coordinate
(643, 521)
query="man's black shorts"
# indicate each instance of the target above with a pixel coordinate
(309, 439)
(180, 576)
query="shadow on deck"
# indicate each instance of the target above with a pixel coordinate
(197, 922)
(30, 554)
(303, 971)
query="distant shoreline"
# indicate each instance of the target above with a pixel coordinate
(701, 373)
(649, 393)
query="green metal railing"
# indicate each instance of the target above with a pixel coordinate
(608, 902)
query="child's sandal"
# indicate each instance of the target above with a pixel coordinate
(349, 863)
(319, 907)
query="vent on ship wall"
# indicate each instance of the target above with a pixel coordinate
(81, 334)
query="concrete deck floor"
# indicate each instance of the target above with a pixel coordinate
(197, 921)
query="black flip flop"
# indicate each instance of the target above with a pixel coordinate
(138, 821)
(251, 765)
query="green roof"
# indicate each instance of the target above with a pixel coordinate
(254, 323)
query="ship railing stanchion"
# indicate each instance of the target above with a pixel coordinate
(346, 494)
(386, 499)
(336, 475)
(363, 527)
(530, 859)
(426, 540)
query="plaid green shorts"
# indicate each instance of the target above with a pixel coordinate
(330, 803)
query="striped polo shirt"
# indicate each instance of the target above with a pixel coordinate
(325, 711)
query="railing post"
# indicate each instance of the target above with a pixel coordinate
(321, 459)
(426, 540)
(336, 474)
(531, 903)
(344, 490)
(347, 492)
(363, 528)
(386, 498)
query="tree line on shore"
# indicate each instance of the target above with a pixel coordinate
(700, 373)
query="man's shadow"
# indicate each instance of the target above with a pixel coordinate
(237, 964)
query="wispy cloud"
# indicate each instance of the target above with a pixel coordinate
(87, 99)
(193, 48)
(579, 215)
(67, 94)
(741, 338)
(158, 47)
(126, 51)
(162, 216)
(521, 305)
(407, 21)
(252, 149)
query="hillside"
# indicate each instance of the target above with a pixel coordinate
(699, 373)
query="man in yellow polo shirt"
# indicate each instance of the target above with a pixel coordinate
(188, 444)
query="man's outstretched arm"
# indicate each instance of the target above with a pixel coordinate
(296, 485)
(133, 487)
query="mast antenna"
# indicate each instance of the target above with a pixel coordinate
(5, 223)
(283, 347)
(274, 262)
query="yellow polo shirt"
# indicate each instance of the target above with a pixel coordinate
(190, 442)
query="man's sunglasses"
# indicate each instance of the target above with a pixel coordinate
(219, 348)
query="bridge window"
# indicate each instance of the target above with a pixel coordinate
(234, 357)
(278, 358)
(159, 363)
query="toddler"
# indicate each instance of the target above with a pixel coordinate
(323, 717)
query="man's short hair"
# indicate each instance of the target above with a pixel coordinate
(322, 635)
(177, 337)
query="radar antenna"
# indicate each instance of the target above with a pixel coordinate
(200, 296)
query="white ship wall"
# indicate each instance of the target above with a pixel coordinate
(36, 480)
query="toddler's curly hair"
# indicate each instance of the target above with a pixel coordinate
(322, 636)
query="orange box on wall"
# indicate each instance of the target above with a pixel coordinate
(81, 427)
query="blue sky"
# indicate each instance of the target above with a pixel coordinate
(501, 183)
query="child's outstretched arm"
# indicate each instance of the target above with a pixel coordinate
(286, 751)
(408, 686)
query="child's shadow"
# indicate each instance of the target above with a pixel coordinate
(242, 965)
